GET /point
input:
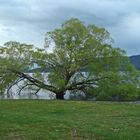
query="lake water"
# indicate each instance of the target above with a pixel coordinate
(29, 95)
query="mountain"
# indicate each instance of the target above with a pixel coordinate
(135, 60)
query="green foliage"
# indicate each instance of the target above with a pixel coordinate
(56, 80)
(84, 48)
(82, 57)
(128, 91)
(117, 90)
(13, 57)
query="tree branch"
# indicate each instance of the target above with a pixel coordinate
(14, 83)
(36, 82)
(84, 83)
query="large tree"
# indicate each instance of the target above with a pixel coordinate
(81, 56)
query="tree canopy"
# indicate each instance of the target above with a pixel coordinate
(82, 57)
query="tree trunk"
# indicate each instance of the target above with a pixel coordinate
(60, 96)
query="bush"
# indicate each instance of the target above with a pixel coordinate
(120, 92)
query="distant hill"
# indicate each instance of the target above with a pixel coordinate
(135, 60)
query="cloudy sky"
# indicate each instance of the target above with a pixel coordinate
(28, 20)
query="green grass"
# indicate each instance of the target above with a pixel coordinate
(68, 120)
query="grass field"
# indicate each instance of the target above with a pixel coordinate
(68, 120)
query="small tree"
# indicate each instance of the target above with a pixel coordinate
(81, 57)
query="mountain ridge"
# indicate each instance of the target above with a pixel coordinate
(135, 60)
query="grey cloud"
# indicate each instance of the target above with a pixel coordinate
(28, 20)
